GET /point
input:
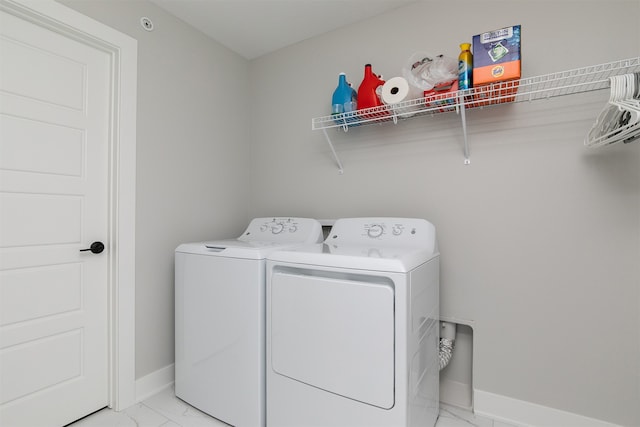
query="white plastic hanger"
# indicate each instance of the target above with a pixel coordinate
(619, 120)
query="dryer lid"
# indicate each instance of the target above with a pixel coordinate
(371, 258)
(375, 244)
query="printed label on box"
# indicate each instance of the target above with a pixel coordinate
(494, 36)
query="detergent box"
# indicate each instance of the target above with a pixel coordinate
(496, 59)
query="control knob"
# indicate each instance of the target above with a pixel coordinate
(375, 230)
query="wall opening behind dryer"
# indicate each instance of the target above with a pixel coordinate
(456, 379)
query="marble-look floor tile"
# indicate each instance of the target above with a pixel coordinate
(164, 409)
(145, 416)
(450, 416)
(169, 406)
(497, 423)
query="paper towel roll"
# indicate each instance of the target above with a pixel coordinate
(397, 90)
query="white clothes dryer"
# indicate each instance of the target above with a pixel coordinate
(352, 327)
(220, 318)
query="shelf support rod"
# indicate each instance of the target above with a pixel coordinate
(463, 116)
(335, 155)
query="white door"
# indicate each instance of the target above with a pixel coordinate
(54, 126)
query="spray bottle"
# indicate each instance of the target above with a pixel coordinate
(465, 67)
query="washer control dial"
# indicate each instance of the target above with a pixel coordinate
(375, 230)
(277, 228)
(280, 226)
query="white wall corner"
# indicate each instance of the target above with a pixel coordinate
(154, 382)
(527, 414)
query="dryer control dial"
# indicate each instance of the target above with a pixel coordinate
(375, 230)
(397, 229)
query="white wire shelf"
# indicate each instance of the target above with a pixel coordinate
(547, 86)
(542, 87)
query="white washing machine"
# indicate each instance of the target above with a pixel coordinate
(352, 327)
(220, 318)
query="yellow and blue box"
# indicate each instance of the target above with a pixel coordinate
(497, 59)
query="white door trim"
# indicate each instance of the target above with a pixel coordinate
(122, 170)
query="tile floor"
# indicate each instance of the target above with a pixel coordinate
(165, 410)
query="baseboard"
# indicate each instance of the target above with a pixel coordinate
(527, 414)
(154, 382)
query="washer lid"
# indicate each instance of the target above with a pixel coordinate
(233, 248)
(262, 236)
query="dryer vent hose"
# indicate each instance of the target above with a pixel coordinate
(446, 351)
(447, 342)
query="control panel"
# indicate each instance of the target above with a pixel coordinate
(382, 231)
(277, 226)
(278, 229)
(377, 230)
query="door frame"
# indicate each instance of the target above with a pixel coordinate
(123, 51)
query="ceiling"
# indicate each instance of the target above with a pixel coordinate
(253, 28)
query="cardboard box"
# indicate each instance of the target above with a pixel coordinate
(496, 56)
(496, 65)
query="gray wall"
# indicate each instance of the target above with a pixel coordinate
(539, 235)
(192, 182)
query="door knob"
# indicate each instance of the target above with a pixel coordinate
(95, 248)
